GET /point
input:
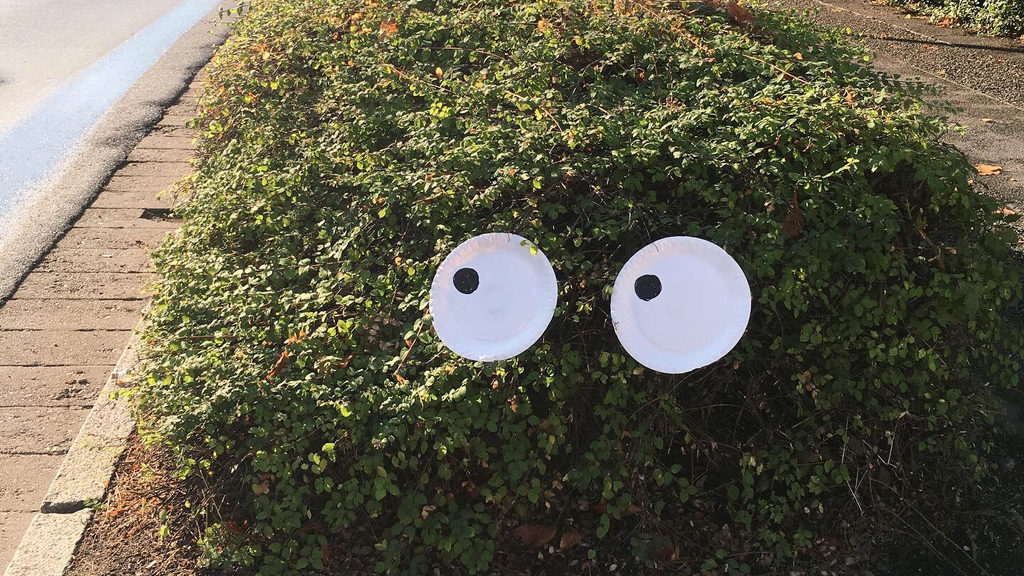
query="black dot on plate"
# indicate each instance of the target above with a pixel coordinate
(647, 287)
(466, 280)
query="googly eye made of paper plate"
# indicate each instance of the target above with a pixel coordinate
(680, 303)
(493, 297)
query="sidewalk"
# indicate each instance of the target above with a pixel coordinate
(982, 76)
(63, 330)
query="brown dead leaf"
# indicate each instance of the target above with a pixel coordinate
(663, 552)
(798, 56)
(988, 120)
(388, 27)
(263, 486)
(1006, 211)
(739, 13)
(988, 169)
(535, 535)
(945, 23)
(278, 365)
(794, 219)
(570, 539)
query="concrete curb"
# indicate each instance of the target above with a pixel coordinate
(47, 548)
(89, 464)
(50, 543)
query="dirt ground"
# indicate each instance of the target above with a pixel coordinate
(145, 527)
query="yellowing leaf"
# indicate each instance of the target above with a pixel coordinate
(798, 56)
(988, 169)
(438, 72)
(543, 25)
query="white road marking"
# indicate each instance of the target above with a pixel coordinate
(32, 148)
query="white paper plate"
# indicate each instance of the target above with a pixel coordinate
(511, 305)
(697, 317)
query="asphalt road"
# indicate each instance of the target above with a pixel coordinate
(43, 43)
(80, 82)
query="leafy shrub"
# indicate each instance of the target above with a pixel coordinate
(1001, 17)
(348, 147)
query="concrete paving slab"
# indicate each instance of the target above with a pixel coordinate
(153, 184)
(114, 238)
(20, 490)
(186, 108)
(172, 169)
(112, 199)
(12, 526)
(39, 430)
(96, 260)
(165, 142)
(51, 385)
(30, 314)
(49, 543)
(123, 218)
(159, 155)
(61, 347)
(85, 286)
(175, 120)
(165, 130)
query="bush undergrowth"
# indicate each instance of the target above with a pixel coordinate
(999, 17)
(348, 147)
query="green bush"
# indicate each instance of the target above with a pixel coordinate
(1000, 17)
(348, 147)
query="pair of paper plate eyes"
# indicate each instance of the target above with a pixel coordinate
(678, 304)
